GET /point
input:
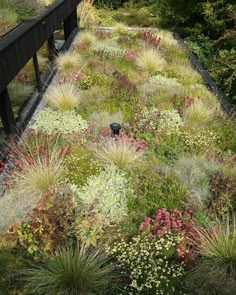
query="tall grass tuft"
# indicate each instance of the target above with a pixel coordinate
(120, 28)
(63, 97)
(70, 271)
(86, 13)
(198, 114)
(151, 61)
(33, 173)
(216, 272)
(68, 62)
(85, 38)
(119, 152)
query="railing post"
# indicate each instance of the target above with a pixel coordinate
(36, 71)
(51, 48)
(70, 23)
(6, 113)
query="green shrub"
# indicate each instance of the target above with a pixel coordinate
(47, 226)
(203, 47)
(226, 132)
(224, 73)
(169, 148)
(11, 262)
(223, 193)
(154, 191)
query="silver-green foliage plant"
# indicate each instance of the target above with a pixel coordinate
(108, 49)
(61, 122)
(149, 263)
(155, 120)
(106, 192)
(158, 83)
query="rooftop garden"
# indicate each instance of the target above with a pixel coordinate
(124, 182)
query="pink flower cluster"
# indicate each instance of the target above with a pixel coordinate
(149, 38)
(73, 77)
(174, 221)
(2, 165)
(23, 77)
(168, 220)
(130, 54)
(140, 145)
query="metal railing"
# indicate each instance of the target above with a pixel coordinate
(21, 45)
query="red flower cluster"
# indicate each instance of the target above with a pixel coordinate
(149, 38)
(185, 103)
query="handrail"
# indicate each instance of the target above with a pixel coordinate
(18, 46)
(21, 44)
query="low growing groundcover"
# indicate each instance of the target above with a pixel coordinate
(145, 211)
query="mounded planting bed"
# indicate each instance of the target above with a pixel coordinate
(148, 211)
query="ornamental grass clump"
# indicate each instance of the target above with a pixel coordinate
(195, 172)
(86, 13)
(33, 174)
(68, 62)
(63, 97)
(119, 151)
(150, 264)
(49, 121)
(70, 271)
(216, 271)
(38, 172)
(119, 29)
(151, 61)
(85, 40)
(189, 75)
(198, 114)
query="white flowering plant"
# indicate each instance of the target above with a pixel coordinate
(150, 263)
(154, 120)
(61, 122)
(198, 140)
